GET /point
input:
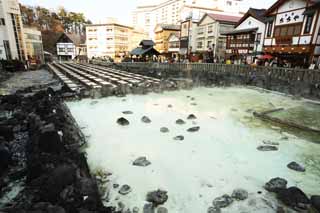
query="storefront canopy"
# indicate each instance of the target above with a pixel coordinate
(144, 51)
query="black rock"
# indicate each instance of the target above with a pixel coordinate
(50, 140)
(214, 209)
(164, 130)
(223, 201)
(5, 158)
(141, 161)
(239, 194)
(87, 187)
(180, 122)
(123, 122)
(169, 106)
(158, 197)
(162, 209)
(276, 184)
(148, 208)
(295, 166)
(293, 197)
(59, 178)
(179, 138)
(267, 148)
(6, 131)
(127, 112)
(55, 209)
(315, 202)
(145, 119)
(191, 117)
(194, 129)
(125, 189)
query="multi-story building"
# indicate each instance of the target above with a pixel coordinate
(174, 45)
(162, 34)
(11, 31)
(136, 36)
(175, 11)
(33, 43)
(211, 33)
(69, 46)
(246, 40)
(112, 40)
(188, 36)
(292, 31)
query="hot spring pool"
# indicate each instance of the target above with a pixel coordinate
(220, 157)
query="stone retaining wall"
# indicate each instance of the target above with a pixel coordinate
(297, 82)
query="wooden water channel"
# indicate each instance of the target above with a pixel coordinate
(93, 80)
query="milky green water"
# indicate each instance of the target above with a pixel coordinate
(220, 157)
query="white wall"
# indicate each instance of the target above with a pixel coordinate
(251, 22)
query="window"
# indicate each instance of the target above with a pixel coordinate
(269, 30)
(210, 29)
(307, 28)
(2, 21)
(199, 45)
(258, 38)
(61, 49)
(200, 31)
(291, 30)
(283, 31)
(209, 44)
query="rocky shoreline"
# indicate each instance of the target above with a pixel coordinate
(40, 152)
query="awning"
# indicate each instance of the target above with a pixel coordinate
(141, 51)
(269, 19)
(309, 11)
(234, 32)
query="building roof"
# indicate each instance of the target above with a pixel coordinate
(234, 32)
(142, 52)
(177, 35)
(222, 18)
(108, 24)
(255, 13)
(170, 27)
(147, 43)
(76, 39)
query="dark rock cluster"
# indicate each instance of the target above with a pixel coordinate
(39, 146)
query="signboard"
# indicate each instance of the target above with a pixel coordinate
(291, 17)
(284, 40)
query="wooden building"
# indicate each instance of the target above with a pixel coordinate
(292, 29)
(246, 41)
(162, 34)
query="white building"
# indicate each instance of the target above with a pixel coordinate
(11, 31)
(175, 11)
(112, 40)
(68, 46)
(211, 30)
(246, 40)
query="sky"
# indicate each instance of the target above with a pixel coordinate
(99, 10)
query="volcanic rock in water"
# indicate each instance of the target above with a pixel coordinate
(169, 106)
(127, 112)
(180, 122)
(162, 210)
(295, 166)
(271, 143)
(267, 148)
(164, 129)
(192, 99)
(179, 138)
(239, 194)
(135, 210)
(93, 103)
(191, 117)
(145, 119)
(125, 189)
(223, 201)
(115, 185)
(158, 197)
(55, 209)
(293, 197)
(276, 184)
(315, 202)
(194, 129)
(141, 161)
(214, 209)
(148, 208)
(123, 122)
(194, 104)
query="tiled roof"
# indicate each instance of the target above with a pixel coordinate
(224, 18)
(170, 27)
